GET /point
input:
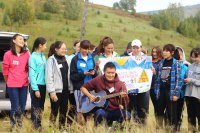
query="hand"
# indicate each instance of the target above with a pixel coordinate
(174, 98)
(92, 98)
(97, 64)
(124, 94)
(37, 94)
(92, 72)
(54, 98)
(86, 73)
(153, 70)
(187, 80)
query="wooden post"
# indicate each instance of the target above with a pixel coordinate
(84, 19)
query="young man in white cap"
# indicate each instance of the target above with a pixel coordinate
(139, 102)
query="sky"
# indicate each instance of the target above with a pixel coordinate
(149, 5)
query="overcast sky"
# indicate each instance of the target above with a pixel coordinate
(149, 5)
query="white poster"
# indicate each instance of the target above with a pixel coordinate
(134, 71)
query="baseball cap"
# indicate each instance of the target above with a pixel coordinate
(136, 42)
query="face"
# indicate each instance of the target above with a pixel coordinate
(62, 50)
(195, 59)
(154, 53)
(77, 47)
(84, 52)
(167, 55)
(43, 47)
(19, 41)
(109, 49)
(181, 54)
(110, 74)
(129, 50)
(136, 50)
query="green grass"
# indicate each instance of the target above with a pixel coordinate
(122, 32)
(130, 127)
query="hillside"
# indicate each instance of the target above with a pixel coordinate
(101, 21)
(188, 10)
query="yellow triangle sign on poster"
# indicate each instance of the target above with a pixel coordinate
(121, 61)
(143, 77)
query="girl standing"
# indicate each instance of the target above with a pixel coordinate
(156, 54)
(37, 64)
(106, 49)
(192, 94)
(139, 102)
(168, 87)
(56, 77)
(81, 71)
(15, 72)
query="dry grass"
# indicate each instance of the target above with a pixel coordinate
(129, 127)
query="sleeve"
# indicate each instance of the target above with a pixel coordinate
(74, 75)
(5, 64)
(90, 85)
(49, 77)
(196, 82)
(33, 74)
(177, 90)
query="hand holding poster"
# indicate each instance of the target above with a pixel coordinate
(134, 71)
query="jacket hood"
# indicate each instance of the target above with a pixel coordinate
(184, 59)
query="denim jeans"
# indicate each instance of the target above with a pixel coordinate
(37, 106)
(18, 97)
(111, 115)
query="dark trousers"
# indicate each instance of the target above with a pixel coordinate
(18, 97)
(139, 106)
(193, 110)
(153, 99)
(37, 106)
(72, 109)
(166, 109)
(180, 108)
(62, 106)
(111, 115)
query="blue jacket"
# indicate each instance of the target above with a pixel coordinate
(184, 69)
(37, 64)
(175, 81)
(77, 68)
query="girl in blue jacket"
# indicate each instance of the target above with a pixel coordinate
(37, 64)
(168, 87)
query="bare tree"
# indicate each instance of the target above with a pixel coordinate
(84, 19)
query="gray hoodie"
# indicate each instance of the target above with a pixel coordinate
(193, 88)
(53, 76)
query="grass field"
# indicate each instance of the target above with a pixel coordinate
(130, 127)
(101, 21)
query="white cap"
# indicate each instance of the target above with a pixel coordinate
(136, 42)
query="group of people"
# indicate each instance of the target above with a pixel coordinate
(67, 78)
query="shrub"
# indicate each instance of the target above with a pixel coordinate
(2, 5)
(72, 9)
(51, 6)
(99, 24)
(43, 16)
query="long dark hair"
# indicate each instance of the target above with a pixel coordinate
(12, 45)
(37, 42)
(172, 49)
(55, 45)
(104, 42)
(158, 51)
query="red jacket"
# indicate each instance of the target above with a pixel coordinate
(110, 87)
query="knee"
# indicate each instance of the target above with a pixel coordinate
(100, 113)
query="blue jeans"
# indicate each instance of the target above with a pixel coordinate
(18, 97)
(37, 106)
(111, 115)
